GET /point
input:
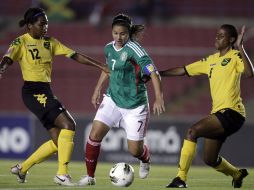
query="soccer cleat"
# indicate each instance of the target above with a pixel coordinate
(86, 180)
(177, 183)
(63, 180)
(237, 183)
(16, 170)
(144, 169)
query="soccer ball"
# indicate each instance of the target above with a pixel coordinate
(121, 175)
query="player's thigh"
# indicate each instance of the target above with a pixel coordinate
(208, 127)
(99, 130)
(107, 116)
(135, 122)
(108, 112)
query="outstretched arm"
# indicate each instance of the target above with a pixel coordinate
(5, 63)
(158, 106)
(97, 90)
(83, 59)
(177, 71)
(248, 66)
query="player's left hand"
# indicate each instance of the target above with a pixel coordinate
(158, 106)
(239, 40)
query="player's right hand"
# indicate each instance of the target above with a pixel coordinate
(96, 98)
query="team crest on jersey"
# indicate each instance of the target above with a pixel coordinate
(225, 61)
(46, 44)
(123, 56)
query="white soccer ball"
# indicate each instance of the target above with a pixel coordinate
(121, 174)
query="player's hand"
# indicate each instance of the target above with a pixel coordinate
(158, 106)
(239, 41)
(96, 98)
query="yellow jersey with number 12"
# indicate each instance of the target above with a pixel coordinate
(35, 56)
(224, 73)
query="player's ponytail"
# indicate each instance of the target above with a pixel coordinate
(31, 16)
(136, 32)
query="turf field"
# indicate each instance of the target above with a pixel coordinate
(41, 178)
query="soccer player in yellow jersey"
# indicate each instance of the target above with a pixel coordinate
(224, 70)
(34, 51)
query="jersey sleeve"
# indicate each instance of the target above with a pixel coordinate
(60, 49)
(14, 50)
(197, 68)
(142, 58)
(239, 62)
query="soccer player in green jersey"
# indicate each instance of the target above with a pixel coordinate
(125, 103)
(34, 51)
(224, 70)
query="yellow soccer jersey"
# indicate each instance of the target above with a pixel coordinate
(35, 56)
(224, 75)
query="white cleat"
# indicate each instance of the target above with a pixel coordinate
(16, 170)
(86, 180)
(63, 180)
(144, 169)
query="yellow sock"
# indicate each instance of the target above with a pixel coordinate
(187, 154)
(228, 169)
(65, 147)
(41, 154)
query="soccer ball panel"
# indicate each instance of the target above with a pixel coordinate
(121, 174)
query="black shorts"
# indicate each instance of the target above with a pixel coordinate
(231, 120)
(39, 99)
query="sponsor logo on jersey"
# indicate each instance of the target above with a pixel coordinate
(123, 56)
(225, 61)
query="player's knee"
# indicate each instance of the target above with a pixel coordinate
(70, 125)
(192, 134)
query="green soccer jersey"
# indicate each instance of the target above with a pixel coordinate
(126, 66)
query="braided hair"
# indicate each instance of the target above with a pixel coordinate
(31, 16)
(126, 21)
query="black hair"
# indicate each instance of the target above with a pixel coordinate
(31, 16)
(231, 31)
(125, 20)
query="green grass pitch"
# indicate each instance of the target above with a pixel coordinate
(41, 177)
